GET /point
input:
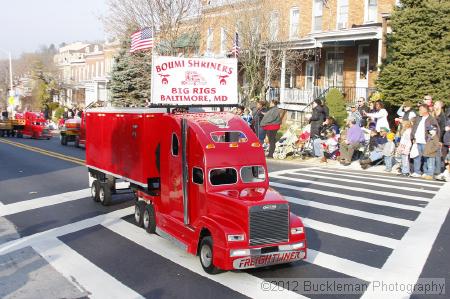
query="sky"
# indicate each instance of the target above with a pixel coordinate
(25, 25)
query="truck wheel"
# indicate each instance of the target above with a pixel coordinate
(149, 220)
(139, 208)
(104, 194)
(206, 255)
(77, 141)
(63, 139)
(95, 191)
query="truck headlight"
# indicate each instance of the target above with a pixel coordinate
(239, 252)
(297, 230)
(298, 245)
(236, 238)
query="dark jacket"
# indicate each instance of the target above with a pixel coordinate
(441, 119)
(316, 120)
(272, 117)
(430, 121)
(257, 117)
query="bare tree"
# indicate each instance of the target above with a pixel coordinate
(262, 47)
(170, 19)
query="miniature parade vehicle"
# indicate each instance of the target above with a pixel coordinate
(28, 124)
(200, 180)
(74, 130)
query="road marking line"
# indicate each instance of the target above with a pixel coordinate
(311, 174)
(64, 230)
(26, 146)
(350, 197)
(405, 264)
(44, 152)
(390, 194)
(81, 272)
(408, 180)
(348, 267)
(352, 212)
(241, 282)
(350, 233)
(41, 202)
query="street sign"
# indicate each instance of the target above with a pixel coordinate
(194, 81)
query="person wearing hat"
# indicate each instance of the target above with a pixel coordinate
(419, 137)
(406, 112)
(354, 114)
(388, 152)
(377, 141)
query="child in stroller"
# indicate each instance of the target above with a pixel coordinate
(330, 147)
(287, 143)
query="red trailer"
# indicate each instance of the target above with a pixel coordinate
(201, 181)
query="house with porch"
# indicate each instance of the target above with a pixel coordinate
(319, 44)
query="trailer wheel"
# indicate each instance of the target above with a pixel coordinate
(95, 191)
(139, 209)
(104, 194)
(149, 219)
(206, 256)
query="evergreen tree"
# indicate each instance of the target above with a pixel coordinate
(417, 61)
(336, 104)
(131, 78)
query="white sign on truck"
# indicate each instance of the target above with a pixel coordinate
(194, 81)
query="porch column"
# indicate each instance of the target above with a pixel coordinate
(283, 75)
(268, 67)
(380, 53)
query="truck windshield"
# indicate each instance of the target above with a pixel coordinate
(223, 176)
(228, 136)
(253, 174)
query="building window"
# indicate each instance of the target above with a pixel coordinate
(209, 40)
(309, 75)
(342, 14)
(371, 11)
(223, 40)
(294, 22)
(273, 25)
(317, 15)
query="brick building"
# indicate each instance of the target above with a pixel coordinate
(320, 43)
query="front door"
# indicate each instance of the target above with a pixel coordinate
(362, 71)
(334, 69)
(309, 75)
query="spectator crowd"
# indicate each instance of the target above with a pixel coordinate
(415, 141)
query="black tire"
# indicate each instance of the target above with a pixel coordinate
(104, 194)
(95, 191)
(63, 139)
(77, 141)
(149, 219)
(139, 209)
(206, 255)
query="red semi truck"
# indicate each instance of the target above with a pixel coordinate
(200, 180)
(28, 124)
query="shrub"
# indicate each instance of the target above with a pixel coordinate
(335, 101)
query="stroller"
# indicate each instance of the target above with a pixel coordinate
(287, 144)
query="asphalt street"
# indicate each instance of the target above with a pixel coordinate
(55, 242)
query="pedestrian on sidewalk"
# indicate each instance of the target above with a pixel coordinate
(445, 176)
(258, 114)
(419, 137)
(377, 143)
(380, 116)
(404, 147)
(430, 151)
(353, 140)
(271, 123)
(439, 114)
(363, 109)
(388, 152)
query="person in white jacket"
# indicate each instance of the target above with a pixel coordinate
(380, 116)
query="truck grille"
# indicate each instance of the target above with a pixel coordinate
(269, 224)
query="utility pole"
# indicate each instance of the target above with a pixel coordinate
(11, 91)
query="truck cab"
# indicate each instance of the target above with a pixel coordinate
(212, 195)
(35, 125)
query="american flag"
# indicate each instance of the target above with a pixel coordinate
(236, 46)
(142, 39)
